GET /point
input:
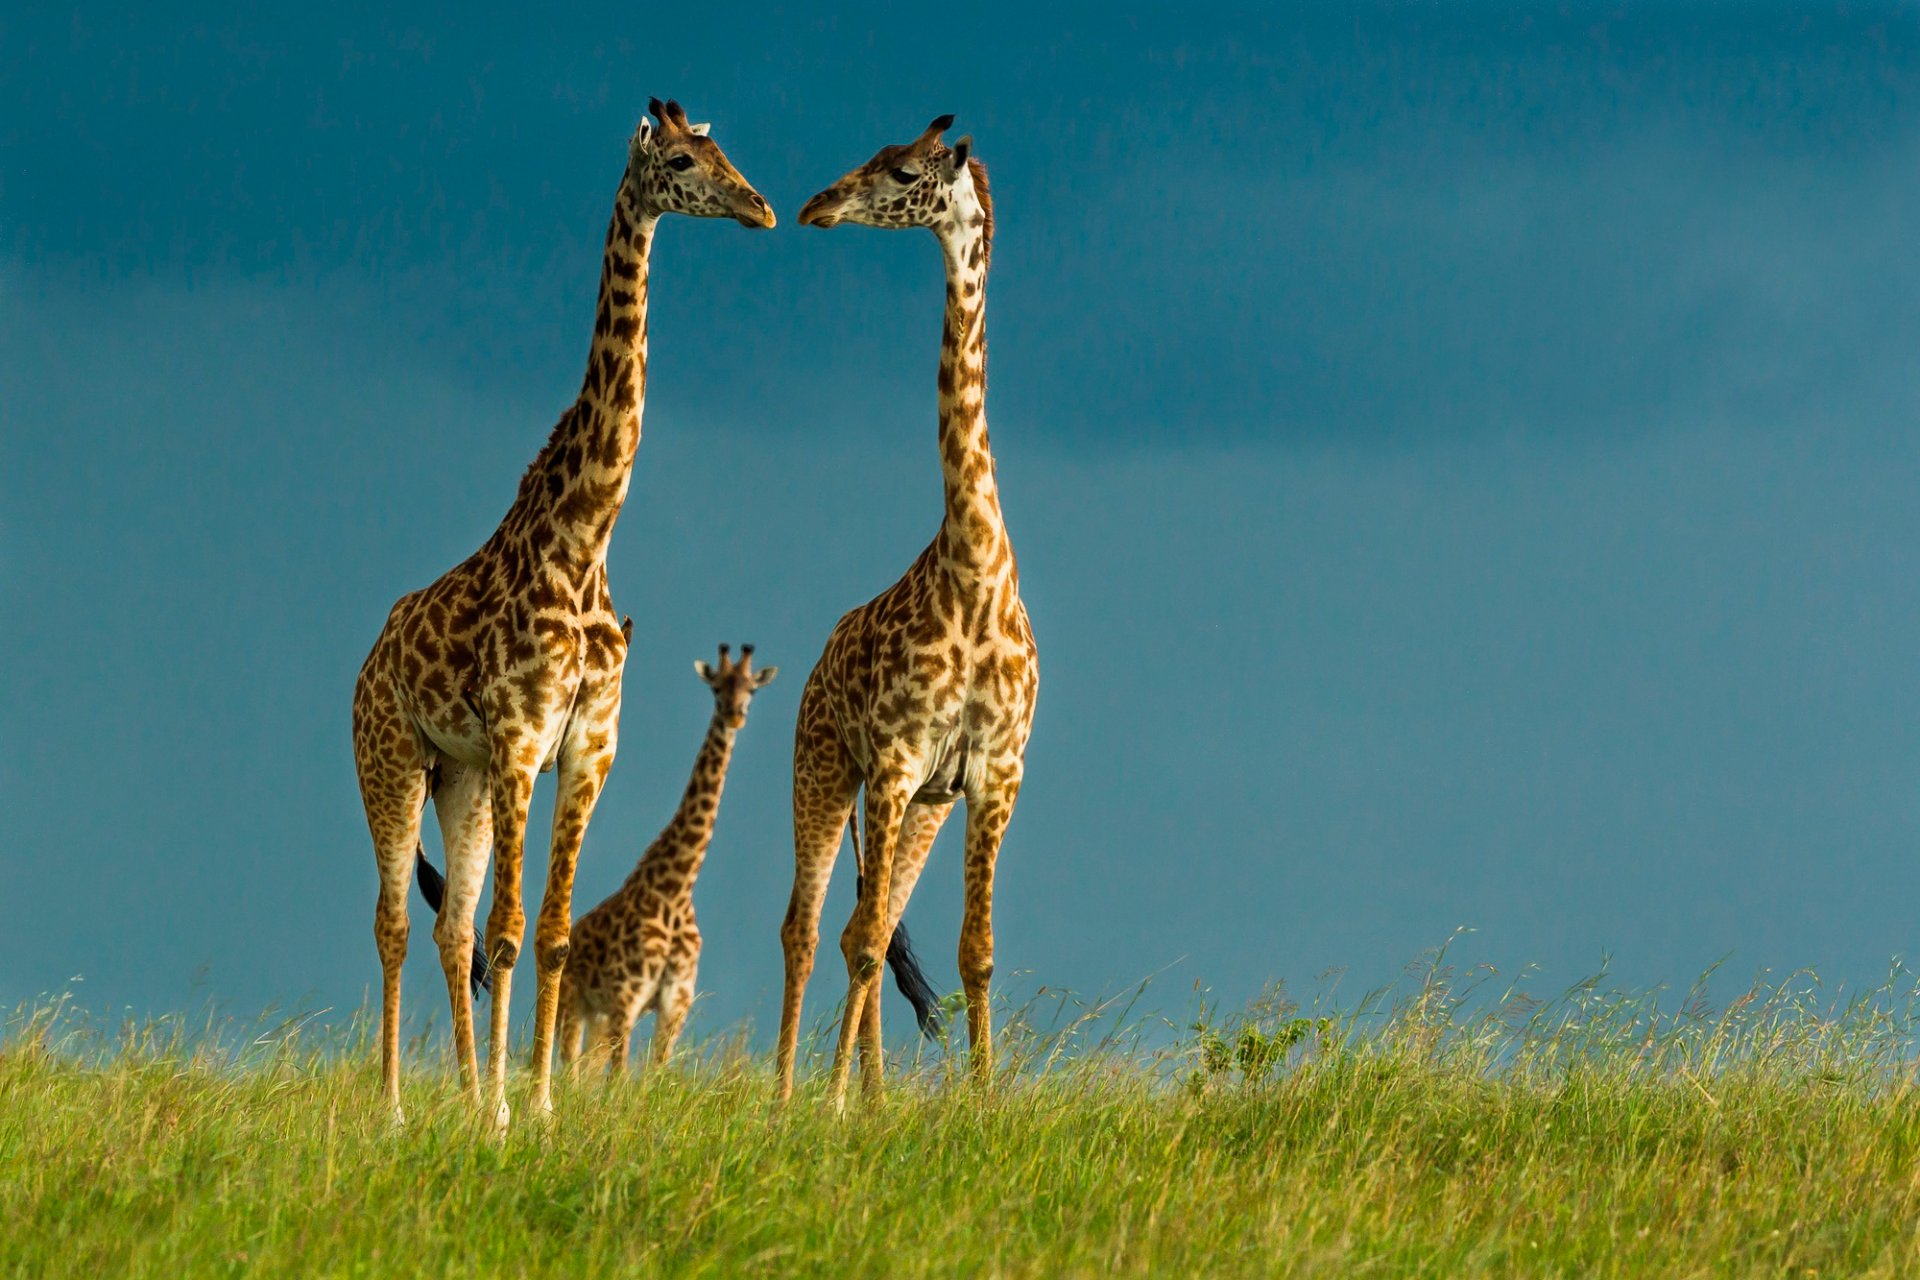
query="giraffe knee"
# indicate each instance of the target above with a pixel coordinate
(976, 968)
(551, 953)
(452, 936)
(390, 931)
(863, 957)
(504, 931)
(392, 944)
(798, 937)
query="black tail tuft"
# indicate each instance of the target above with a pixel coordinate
(433, 887)
(912, 981)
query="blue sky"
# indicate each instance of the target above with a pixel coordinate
(1462, 461)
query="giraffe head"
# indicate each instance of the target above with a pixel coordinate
(734, 684)
(923, 183)
(674, 167)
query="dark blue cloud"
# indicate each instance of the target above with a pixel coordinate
(1461, 462)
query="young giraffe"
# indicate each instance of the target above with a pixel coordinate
(510, 664)
(640, 949)
(926, 693)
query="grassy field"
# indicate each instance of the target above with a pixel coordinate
(1448, 1131)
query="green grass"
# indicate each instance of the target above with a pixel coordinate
(1447, 1131)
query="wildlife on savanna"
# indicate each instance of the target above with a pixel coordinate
(639, 950)
(509, 665)
(925, 694)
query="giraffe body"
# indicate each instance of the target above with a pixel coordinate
(638, 952)
(510, 663)
(925, 694)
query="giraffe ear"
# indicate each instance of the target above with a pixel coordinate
(961, 150)
(642, 137)
(701, 669)
(699, 130)
(764, 677)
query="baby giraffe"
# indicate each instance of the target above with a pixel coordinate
(640, 949)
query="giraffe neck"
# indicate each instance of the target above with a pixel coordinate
(579, 481)
(973, 535)
(682, 846)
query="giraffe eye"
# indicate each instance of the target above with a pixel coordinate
(680, 163)
(905, 178)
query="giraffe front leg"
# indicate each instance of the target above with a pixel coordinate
(986, 827)
(864, 941)
(584, 762)
(511, 780)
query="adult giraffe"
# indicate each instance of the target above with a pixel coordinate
(510, 664)
(926, 693)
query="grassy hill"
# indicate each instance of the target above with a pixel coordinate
(1448, 1132)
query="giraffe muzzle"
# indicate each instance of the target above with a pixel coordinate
(821, 211)
(755, 214)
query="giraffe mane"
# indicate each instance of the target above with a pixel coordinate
(985, 192)
(537, 467)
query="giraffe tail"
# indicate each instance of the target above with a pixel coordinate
(433, 887)
(907, 973)
(912, 981)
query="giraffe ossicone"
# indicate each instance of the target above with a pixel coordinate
(510, 663)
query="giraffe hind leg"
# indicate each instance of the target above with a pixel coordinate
(917, 832)
(825, 782)
(392, 772)
(863, 942)
(464, 807)
(670, 1006)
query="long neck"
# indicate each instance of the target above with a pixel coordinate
(579, 481)
(974, 535)
(683, 844)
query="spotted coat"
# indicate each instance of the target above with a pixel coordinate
(925, 694)
(510, 663)
(639, 950)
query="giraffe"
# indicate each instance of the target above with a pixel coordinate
(639, 950)
(509, 665)
(926, 693)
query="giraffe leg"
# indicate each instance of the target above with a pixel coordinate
(917, 832)
(674, 996)
(585, 757)
(670, 1010)
(593, 1041)
(466, 828)
(571, 1033)
(987, 821)
(824, 783)
(511, 791)
(620, 1035)
(393, 786)
(864, 941)
(871, 1046)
